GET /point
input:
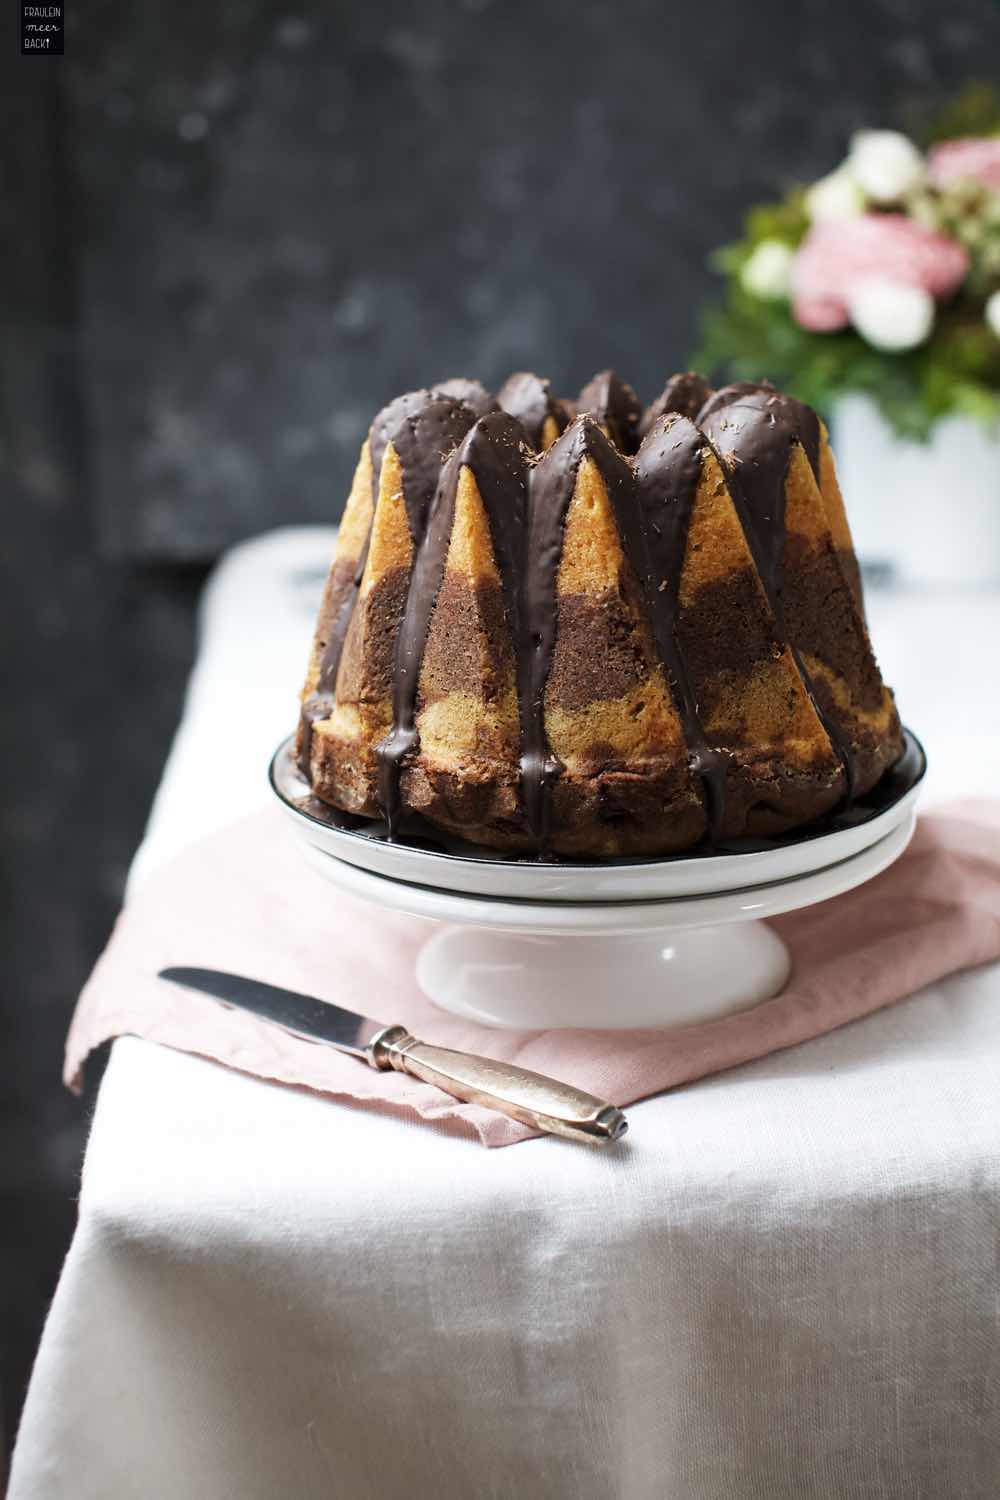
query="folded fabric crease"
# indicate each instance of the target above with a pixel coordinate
(243, 899)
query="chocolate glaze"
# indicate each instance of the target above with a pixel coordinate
(379, 434)
(423, 442)
(754, 429)
(615, 406)
(896, 782)
(528, 398)
(667, 469)
(473, 395)
(409, 404)
(316, 707)
(407, 410)
(652, 503)
(551, 487)
(422, 428)
(494, 450)
(684, 394)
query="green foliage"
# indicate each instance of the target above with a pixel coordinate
(746, 338)
(974, 111)
(786, 221)
(957, 371)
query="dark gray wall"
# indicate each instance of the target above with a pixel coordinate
(230, 231)
(289, 215)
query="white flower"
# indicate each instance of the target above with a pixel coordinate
(836, 196)
(885, 164)
(767, 273)
(992, 312)
(891, 315)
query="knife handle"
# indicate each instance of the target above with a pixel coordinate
(529, 1097)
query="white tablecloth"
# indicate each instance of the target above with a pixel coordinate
(785, 1287)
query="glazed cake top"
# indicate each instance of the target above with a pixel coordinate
(650, 461)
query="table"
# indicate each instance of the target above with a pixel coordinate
(785, 1287)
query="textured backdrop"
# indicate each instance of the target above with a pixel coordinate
(289, 217)
(228, 233)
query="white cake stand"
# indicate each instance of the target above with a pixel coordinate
(530, 945)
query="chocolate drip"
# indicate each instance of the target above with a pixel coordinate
(423, 443)
(316, 707)
(423, 429)
(551, 487)
(667, 469)
(330, 660)
(615, 406)
(754, 429)
(493, 450)
(528, 398)
(410, 404)
(379, 434)
(471, 394)
(684, 394)
(408, 410)
(652, 506)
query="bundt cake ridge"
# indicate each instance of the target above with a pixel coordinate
(541, 639)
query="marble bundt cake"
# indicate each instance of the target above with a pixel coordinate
(585, 629)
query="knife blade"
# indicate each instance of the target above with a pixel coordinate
(531, 1098)
(303, 1015)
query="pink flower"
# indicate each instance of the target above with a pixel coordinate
(975, 157)
(838, 254)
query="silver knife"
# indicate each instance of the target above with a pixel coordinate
(529, 1097)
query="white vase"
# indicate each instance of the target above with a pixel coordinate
(926, 513)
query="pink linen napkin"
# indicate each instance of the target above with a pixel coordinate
(244, 899)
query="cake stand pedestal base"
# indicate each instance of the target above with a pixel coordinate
(533, 944)
(602, 980)
(531, 965)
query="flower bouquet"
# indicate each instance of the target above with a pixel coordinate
(874, 295)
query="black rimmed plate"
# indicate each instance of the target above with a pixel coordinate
(422, 857)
